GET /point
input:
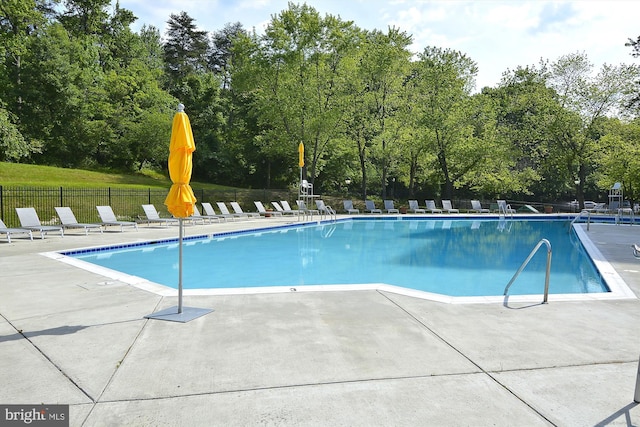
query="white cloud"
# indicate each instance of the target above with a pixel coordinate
(498, 35)
(513, 17)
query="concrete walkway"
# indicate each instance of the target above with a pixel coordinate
(352, 358)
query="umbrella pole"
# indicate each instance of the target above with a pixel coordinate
(180, 267)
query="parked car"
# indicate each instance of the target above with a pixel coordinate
(588, 204)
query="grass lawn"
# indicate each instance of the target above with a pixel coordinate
(15, 174)
(45, 187)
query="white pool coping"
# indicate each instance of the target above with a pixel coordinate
(617, 286)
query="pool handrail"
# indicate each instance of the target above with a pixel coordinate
(526, 261)
(577, 217)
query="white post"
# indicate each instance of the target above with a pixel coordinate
(636, 395)
(300, 190)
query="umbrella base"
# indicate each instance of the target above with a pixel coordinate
(171, 314)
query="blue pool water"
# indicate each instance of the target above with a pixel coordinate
(454, 257)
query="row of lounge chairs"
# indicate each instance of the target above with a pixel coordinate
(430, 206)
(30, 222)
(414, 207)
(236, 213)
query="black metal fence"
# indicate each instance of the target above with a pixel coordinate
(126, 202)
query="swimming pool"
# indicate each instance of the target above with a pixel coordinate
(455, 257)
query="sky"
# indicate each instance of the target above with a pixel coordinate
(497, 35)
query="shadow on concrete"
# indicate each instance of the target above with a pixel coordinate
(624, 411)
(505, 303)
(60, 330)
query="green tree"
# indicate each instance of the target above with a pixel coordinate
(121, 45)
(20, 21)
(382, 67)
(356, 123)
(85, 17)
(482, 161)
(194, 83)
(152, 51)
(13, 146)
(291, 74)
(185, 51)
(148, 138)
(86, 101)
(634, 101)
(413, 154)
(132, 99)
(526, 112)
(590, 98)
(445, 110)
(237, 161)
(619, 157)
(58, 74)
(221, 51)
(201, 97)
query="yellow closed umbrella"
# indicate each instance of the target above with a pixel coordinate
(180, 202)
(181, 199)
(301, 155)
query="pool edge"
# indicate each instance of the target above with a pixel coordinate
(617, 286)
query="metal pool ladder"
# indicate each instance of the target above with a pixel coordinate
(526, 261)
(579, 216)
(327, 231)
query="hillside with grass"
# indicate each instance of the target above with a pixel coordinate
(45, 187)
(23, 175)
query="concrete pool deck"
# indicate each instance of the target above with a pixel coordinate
(370, 357)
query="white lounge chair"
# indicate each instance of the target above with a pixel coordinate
(9, 231)
(302, 206)
(197, 216)
(389, 207)
(225, 212)
(370, 207)
(262, 211)
(68, 220)
(324, 209)
(210, 212)
(476, 206)
(280, 209)
(447, 206)
(29, 219)
(505, 208)
(415, 208)
(348, 207)
(431, 206)
(238, 210)
(108, 218)
(152, 215)
(287, 207)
